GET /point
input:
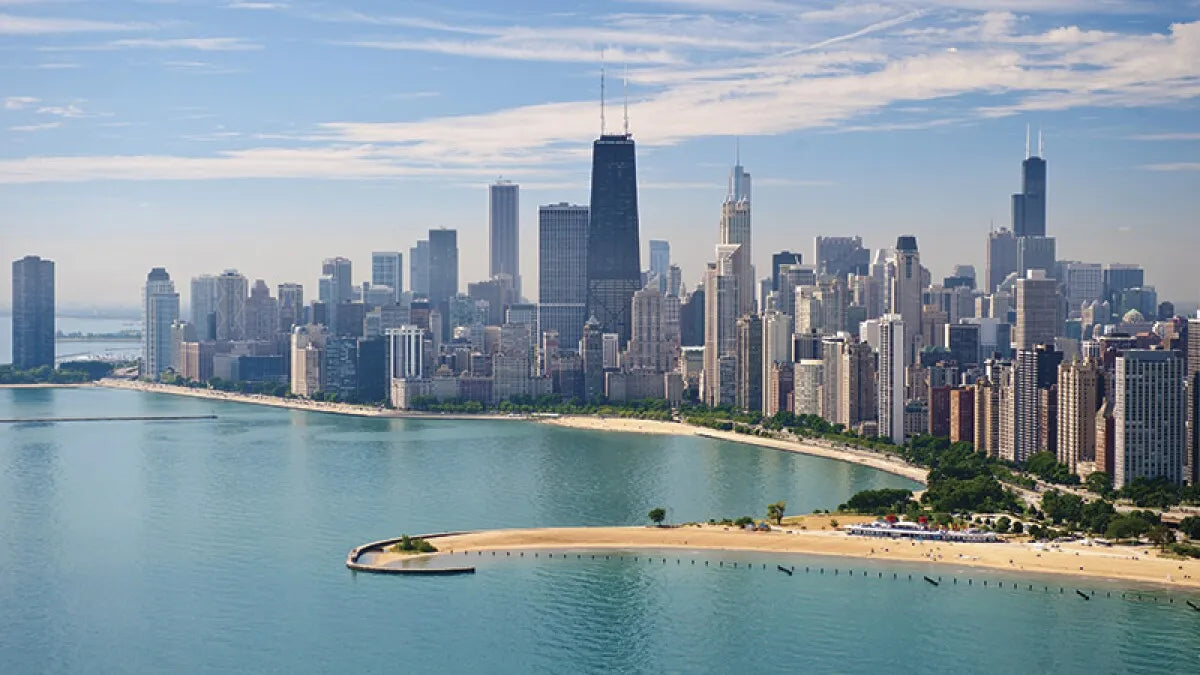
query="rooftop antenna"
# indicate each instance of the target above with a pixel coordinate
(1041, 144)
(601, 92)
(737, 150)
(602, 114)
(625, 87)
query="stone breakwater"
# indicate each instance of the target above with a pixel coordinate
(378, 547)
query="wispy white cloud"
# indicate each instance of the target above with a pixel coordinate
(1173, 166)
(561, 52)
(36, 127)
(205, 44)
(1175, 136)
(19, 102)
(29, 25)
(69, 110)
(258, 5)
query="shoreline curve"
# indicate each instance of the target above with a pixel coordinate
(1127, 564)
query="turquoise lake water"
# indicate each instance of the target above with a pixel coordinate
(218, 546)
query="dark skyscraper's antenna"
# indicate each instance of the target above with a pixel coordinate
(737, 150)
(601, 92)
(1026, 124)
(625, 91)
(1041, 145)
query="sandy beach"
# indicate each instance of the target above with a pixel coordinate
(290, 403)
(1126, 563)
(808, 447)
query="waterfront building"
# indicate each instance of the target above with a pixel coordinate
(721, 299)
(592, 350)
(749, 361)
(204, 306)
(387, 269)
(777, 348)
(857, 389)
(613, 250)
(1034, 374)
(962, 415)
(1148, 416)
(893, 349)
(808, 381)
(232, 292)
(1037, 310)
(831, 382)
(160, 311)
(649, 348)
(262, 313)
(291, 307)
(779, 387)
(443, 274)
(1192, 387)
(307, 359)
(407, 346)
(1080, 391)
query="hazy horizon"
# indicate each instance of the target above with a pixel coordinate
(265, 136)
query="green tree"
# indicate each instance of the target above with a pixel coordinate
(1160, 536)
(1002, 524)
(1100, 483)
(1127, 526)
(775, 511)
(658, 515)
(1017, 527)
(1190, 526)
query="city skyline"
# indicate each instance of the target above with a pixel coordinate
(829, 108)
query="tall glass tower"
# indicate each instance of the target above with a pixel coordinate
(613, 250)
(1029, 205)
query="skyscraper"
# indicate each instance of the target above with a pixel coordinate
(1079, 395)
(418, 268)
(335, 286)
(232, 291)
(33, 312)
(721, 300)
(839, 256)
(648, 346)
(562, 271)
(660, 263)
(749, 362)
(443, 273)
(1001, 257)
(778, 260)
(160, 309)
(262, 313)
(735, 229)
(613, 251)
(1029, 205)
(1035, 372)
(1119, 277)
(1148, 416)
(387, 269)
(1036, 253)
(906, 293)
(204, 307)
(504, 231)
(893, 347)
(291, 306)
(1037, 310)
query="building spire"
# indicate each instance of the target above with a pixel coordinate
(625, 91)
(602, 112)
(1041, 144)
(601, 92)
(737, 150)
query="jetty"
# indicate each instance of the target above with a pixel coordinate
(117, 418)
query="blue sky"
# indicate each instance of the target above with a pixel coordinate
(207, 134)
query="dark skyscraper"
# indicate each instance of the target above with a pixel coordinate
(780, 259)
(613, 251)
(1029, 205)
(443, 273)
(504, 231)
(32, 313)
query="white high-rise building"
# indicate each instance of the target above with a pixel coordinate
(387, 269)
(160, 309)
(906, 292)
(1149, 416)
(777, 344)
(893, 348)
(504, 231)
(406, 348)
(721, 302)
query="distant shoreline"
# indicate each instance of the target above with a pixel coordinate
(48, 385)
(1122, 563)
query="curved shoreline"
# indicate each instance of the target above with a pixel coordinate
(1130, 564)
(849, 455)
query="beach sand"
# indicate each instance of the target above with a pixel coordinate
(1127, 563)
(807, 447)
